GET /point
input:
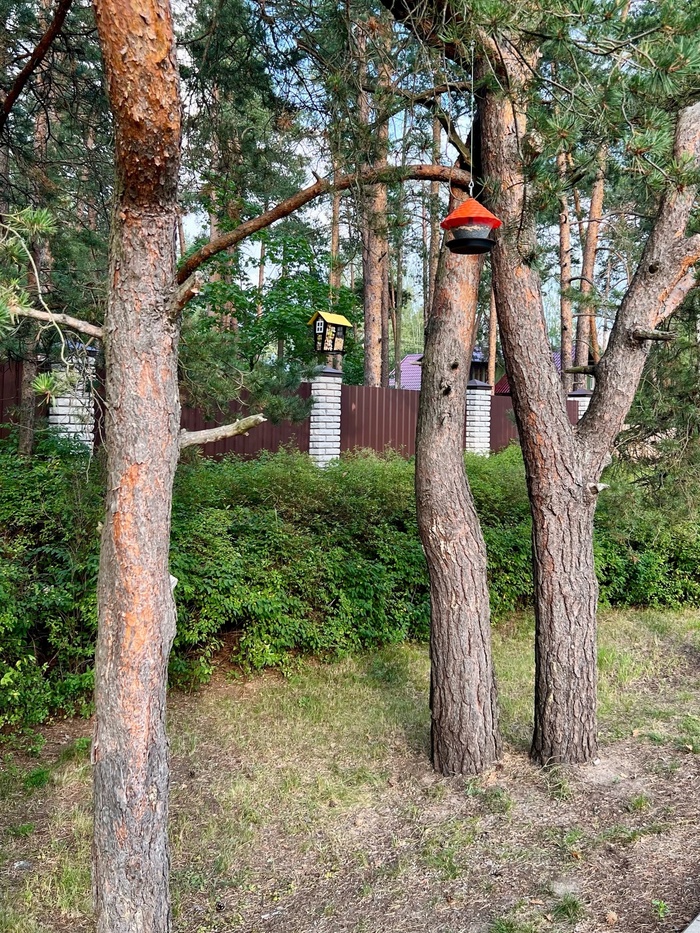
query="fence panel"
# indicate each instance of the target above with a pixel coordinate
(10, 382)
(266, 436)
(503, 428)
(378, 418)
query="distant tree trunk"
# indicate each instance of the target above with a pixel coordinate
(374, 205)
(425, 257)
(493, 342)
(586, 330)
(435, 235)
(398, 303)
(463, 699)
(39, 270)
(261, 278)
(135, 600)
(566, 317)
(387, 311)
(335, 278)
(27, 395)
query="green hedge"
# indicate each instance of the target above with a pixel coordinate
(292, 558)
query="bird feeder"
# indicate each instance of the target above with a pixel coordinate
(473, 228)
(329, 332)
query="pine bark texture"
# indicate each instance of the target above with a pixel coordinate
(563, 463)
(463, 698)
(564, 577)
(135, 600)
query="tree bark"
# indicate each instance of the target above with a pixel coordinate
(135, 600)
(563, 463)
(562, 508)
(464, 710)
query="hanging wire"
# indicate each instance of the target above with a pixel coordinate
(471, 134)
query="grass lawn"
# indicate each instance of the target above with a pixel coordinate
(308, 803)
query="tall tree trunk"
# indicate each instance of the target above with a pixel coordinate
(435, 234)
(561, 504)
(398, 303)
(425, 257)
(566, 317)
(586, 330)
(493, 341)
(387, 310)
(374, 234)
(335, 277)
(463, 699)
(135, 600)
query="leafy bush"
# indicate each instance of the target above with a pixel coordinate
(49, 512)
(291, 558)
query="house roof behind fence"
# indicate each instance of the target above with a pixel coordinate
(411, 369)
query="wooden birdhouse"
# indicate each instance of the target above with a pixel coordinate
(329, 332)
(473, 228)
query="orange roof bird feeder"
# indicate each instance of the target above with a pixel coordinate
(473, 228)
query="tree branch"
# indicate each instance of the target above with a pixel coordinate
(370, 176)
(35, 59)
(582, 370)
(211, 435)
(664, 276)
(83, 327)
(640, 334)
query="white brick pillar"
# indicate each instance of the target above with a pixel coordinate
(324, 427)
(582, 397)
(477, 434)
(72, 414)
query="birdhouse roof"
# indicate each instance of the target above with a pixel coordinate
(331, 318)
(470, 210)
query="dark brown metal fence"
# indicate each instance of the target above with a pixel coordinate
(10, 382)
(266, 436)
(378, 418)
(503, 428)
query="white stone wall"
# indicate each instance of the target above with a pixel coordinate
(324, 427)
(583, 401)
(73, 414)
(477, 434)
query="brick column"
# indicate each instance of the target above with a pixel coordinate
(324, 427)
(73, 413)
(477, 434)
(582, 397)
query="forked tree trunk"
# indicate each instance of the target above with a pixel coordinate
(463, 700)
(561, 505)
(564, 463)
(135, 600)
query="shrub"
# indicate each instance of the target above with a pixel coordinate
(292, 558)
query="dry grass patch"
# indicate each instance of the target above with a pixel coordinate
(307, 804)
